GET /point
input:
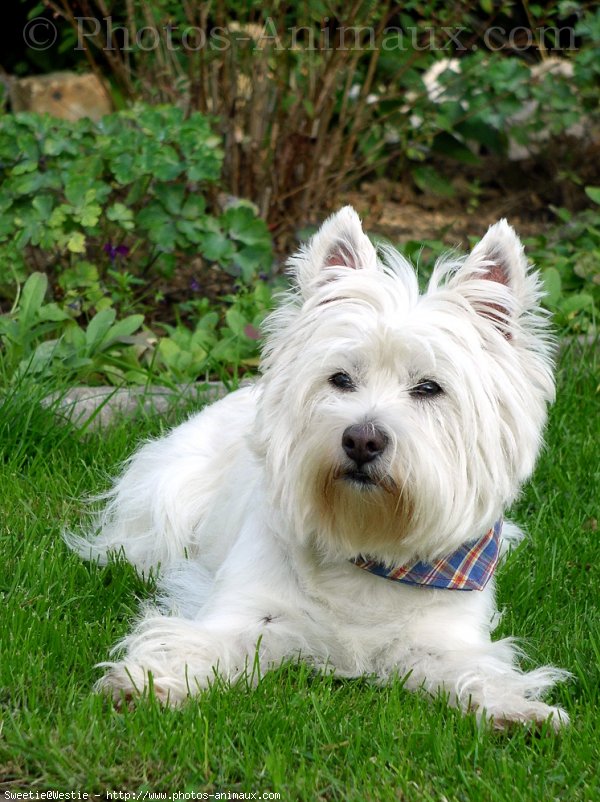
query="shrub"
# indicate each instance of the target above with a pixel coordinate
(107, 208)
(569, 256)
(281, 81)
(41, 339)
(30, 347)
(94, 215)
(310, 97)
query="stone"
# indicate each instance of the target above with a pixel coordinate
(67, 95)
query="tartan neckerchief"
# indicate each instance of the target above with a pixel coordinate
(470, 567)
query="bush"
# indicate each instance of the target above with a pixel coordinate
(97, 220)
(41, 340)
(310, 97)
(290, 92)
(569, 256)
(95, 214)
(104, 208)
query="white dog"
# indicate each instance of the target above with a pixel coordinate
(347, 508)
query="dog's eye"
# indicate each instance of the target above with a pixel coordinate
(426, 389)
(342, 381)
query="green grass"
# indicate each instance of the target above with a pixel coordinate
(303, 736)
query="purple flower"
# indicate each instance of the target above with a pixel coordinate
(115, 250)
(195, 285)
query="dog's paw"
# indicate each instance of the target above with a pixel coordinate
(529, 713)
(126, 683)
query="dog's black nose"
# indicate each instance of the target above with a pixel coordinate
(363, 442)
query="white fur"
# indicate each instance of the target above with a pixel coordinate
(248, 512)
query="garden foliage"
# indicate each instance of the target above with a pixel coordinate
(97, 213)
(97, 220)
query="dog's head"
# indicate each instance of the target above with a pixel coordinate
(396, 424)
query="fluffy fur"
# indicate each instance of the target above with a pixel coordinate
(253, 509)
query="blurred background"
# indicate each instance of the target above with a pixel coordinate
(160, 158)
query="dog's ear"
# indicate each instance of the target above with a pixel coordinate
(340, 243)
(495, 280)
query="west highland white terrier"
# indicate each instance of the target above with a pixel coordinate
(347, 508)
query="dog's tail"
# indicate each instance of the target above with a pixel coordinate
(162, 508)
(151, 514)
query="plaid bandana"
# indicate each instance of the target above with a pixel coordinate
(468, 568)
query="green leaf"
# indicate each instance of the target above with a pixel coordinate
(159, 225)
(553, 286)
(576, 303)
(123, 328)
(32, 298)
(164, 236)
(25, 166)
(216, 246)
(593, 193)
(201, 169)
(166, 164)
(191, 231)
(165, 264)
(58, 216)
(152, 215)
(429, 180)
(171, 196)
(168, 349)
(119, 213)
(43, 355)
(236, 321)
(448, 145)
(27, 184)
(123, 169)
(76, 242)
(98, 329)
(244, 225)
(75, 362)
(137, 190)
(226, 350)
(43, 204)
(194, 207)
(53, 312)
(75, 337)
(478, 130)
(77, 189)
(90, 215)
(252, 258)
(309, 108)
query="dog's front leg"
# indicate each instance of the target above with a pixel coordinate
(484, 679)
(177, 657)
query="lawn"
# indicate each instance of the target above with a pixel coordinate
(302, 736)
